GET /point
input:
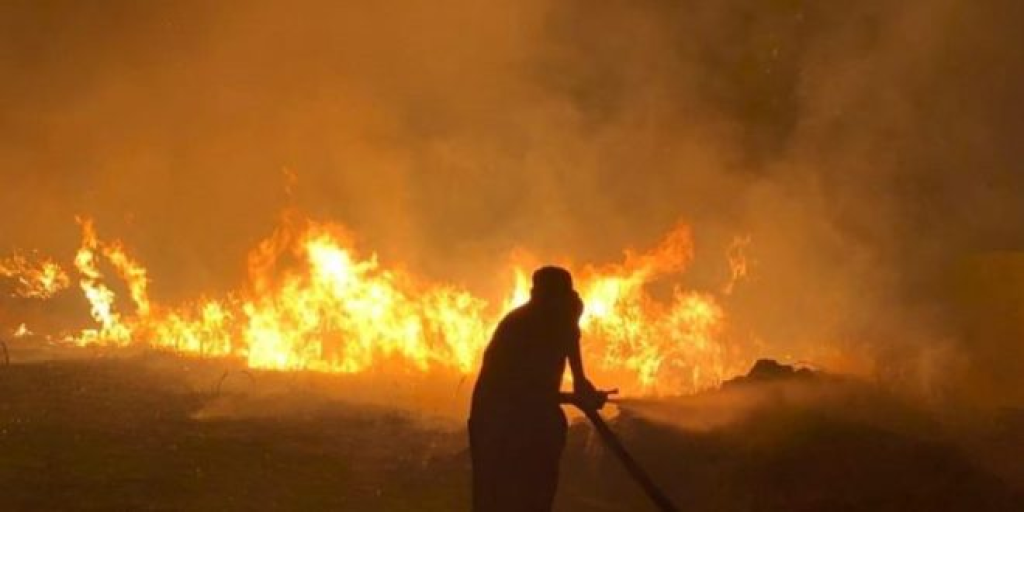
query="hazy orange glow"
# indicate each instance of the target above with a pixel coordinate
(314, 302)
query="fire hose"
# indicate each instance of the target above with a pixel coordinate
(612, 442)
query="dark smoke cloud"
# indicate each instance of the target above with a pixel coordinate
(871, 150)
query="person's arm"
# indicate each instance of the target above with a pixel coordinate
(585, 395)
(580, 383)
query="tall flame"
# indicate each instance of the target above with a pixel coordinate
(101, 298)
(665, 345)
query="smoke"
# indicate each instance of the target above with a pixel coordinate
(870, 151)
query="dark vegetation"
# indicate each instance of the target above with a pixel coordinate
(108, 434)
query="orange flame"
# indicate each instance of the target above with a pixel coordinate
(666, 346)
(132, 273)
(41, 278)
(340, 313)
(101, 298)
(312, 302)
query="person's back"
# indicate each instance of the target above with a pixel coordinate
(523, 364)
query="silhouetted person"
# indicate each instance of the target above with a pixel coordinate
(516, 427)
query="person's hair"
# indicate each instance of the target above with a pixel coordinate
(551, 283)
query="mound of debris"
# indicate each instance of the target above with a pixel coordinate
(770, 370)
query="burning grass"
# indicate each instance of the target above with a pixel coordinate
(314, 302)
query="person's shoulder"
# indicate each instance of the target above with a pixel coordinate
(512, 318)
(526, 317)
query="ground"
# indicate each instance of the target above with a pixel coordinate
(167, 434)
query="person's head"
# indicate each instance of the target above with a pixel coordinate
(552, 287)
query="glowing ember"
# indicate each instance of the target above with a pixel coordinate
(312, 302)
(737, 262)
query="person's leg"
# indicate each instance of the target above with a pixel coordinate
(554, 447)
(517, 469)
(540, 465)
(482, 454)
